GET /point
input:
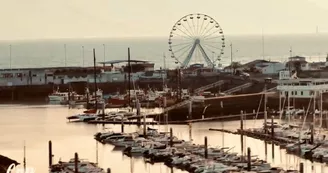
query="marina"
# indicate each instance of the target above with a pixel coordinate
(119, 105)
(54, 116)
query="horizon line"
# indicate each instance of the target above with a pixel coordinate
(152, 37)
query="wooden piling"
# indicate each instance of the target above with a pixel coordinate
(242, 131)
(138, 113)
(266, 150)
(50, 154)
(272, 135)
(171, 137)
(205, 149)
(249, 159)
(190, 110)
(122, 126)
(76, 161)
(301, 168)
(108, 170)
(312, 134)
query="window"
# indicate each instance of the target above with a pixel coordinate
(301, 92)
(292, 92)
(295, 92)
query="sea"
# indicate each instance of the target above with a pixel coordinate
(69, 52)
(33, 125)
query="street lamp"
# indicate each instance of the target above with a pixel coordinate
(104, 53)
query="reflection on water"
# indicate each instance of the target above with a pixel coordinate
(37, 124)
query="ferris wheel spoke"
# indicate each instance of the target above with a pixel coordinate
(183, 50)
(214, 59)
(212, 46)
(184, 47)
(197, 28)
(215, 42)
(207, 31)
(194, 26)
(190, 27)
(209, 35)
(186, 37)
(201, 27)
(184, 53)
(213, 37)
(187, 29)
(205, 28)
(185, 33)
(207, 59)
(180, 44)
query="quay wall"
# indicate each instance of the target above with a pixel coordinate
(224, 106)
(22, 92)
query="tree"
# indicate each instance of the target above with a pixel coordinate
(234, 66)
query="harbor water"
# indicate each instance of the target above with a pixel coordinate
(36, 124)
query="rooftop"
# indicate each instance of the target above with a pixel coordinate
(122, 61)
(311, 80)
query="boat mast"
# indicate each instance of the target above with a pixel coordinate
(262, 45)
(129, 77)
(164, 63)
(97, 152)
(24, 160)
(95, 76)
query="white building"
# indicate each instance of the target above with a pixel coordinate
(272, 67)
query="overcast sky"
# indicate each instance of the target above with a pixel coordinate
(39, 19)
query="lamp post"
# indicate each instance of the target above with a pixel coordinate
(65, 55)
(82, 56)
(10, 57)
(104, 53)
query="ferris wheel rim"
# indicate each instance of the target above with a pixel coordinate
(204, 17)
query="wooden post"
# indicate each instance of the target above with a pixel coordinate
(144, 126)
(103, 111)
(242, 132)
(190, 110)
(312, 134)
(122, 126)
(76, 161)
(190, 131)
(249, 159)
(301, 168)
(272, 127)
(108, 170)
(138, 112)
(171, 137)
(50, 154)
(205, 149)
(272, 135)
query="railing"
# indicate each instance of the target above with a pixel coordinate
(238, 88)
(206, 87)
(271, 89)
(177, 105)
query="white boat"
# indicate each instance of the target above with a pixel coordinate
(124, 142)
(58, 96)
(83, 117)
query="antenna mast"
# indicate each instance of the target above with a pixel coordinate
(262, 45)
(95, 76)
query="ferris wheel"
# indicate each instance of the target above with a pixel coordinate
(198, 37)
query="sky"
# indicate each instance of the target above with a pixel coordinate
(44, 19)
